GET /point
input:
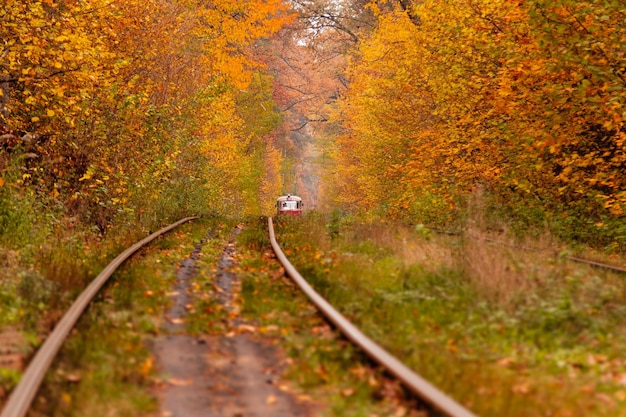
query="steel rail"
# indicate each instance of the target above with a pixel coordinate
(589, 262)
(23, 395)
(413, 381)
(594, 264)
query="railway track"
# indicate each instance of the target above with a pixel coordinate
(591, 263)
(576, 259)
(415, 383)
(22, 396)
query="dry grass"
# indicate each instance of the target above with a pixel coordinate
(502, 268)
(499, 264)
(411, 247)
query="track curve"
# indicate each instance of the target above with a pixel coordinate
(418, 385)
(22, 396)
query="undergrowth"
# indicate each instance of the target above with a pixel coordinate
(499, 328)
(324, 368)
(106, 364)
(50, 250)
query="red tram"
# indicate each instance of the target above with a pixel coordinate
(289, 204)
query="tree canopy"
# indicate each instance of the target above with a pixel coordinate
(108, 105)
(522, 99)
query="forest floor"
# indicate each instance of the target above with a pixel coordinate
(216, 328)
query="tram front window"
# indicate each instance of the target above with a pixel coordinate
(290, 205)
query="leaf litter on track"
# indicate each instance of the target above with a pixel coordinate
(235, 373)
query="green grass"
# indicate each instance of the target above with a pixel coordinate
(106, 364)
(323, 365)
(503, 340)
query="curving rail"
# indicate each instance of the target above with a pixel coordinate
(412, 381)
(22, 396)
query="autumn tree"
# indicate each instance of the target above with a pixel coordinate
(524, 100)
(106, 106)
(307, 61)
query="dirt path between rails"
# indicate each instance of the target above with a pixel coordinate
(227, 376)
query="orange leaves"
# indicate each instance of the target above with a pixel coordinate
(386, 87)
(132, 96)
(40, 53)
(228, 27)
(502, 94)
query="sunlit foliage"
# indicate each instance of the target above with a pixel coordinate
(523, 99)
(107, 107)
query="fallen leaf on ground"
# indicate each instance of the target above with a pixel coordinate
(72, 378)
(506, 361)
(278, 273)
(146, 366)
(246, 328)
(522, 388)
(177, 382)
(605, 398)
(269, 329)
(400, 412)
(348, 392)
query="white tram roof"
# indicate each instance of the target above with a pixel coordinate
(289, 197)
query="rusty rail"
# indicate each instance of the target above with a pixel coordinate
(412, 381)
(23, 395)
(594, 264)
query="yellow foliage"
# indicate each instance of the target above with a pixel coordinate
(127, 94)
(500, 94)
